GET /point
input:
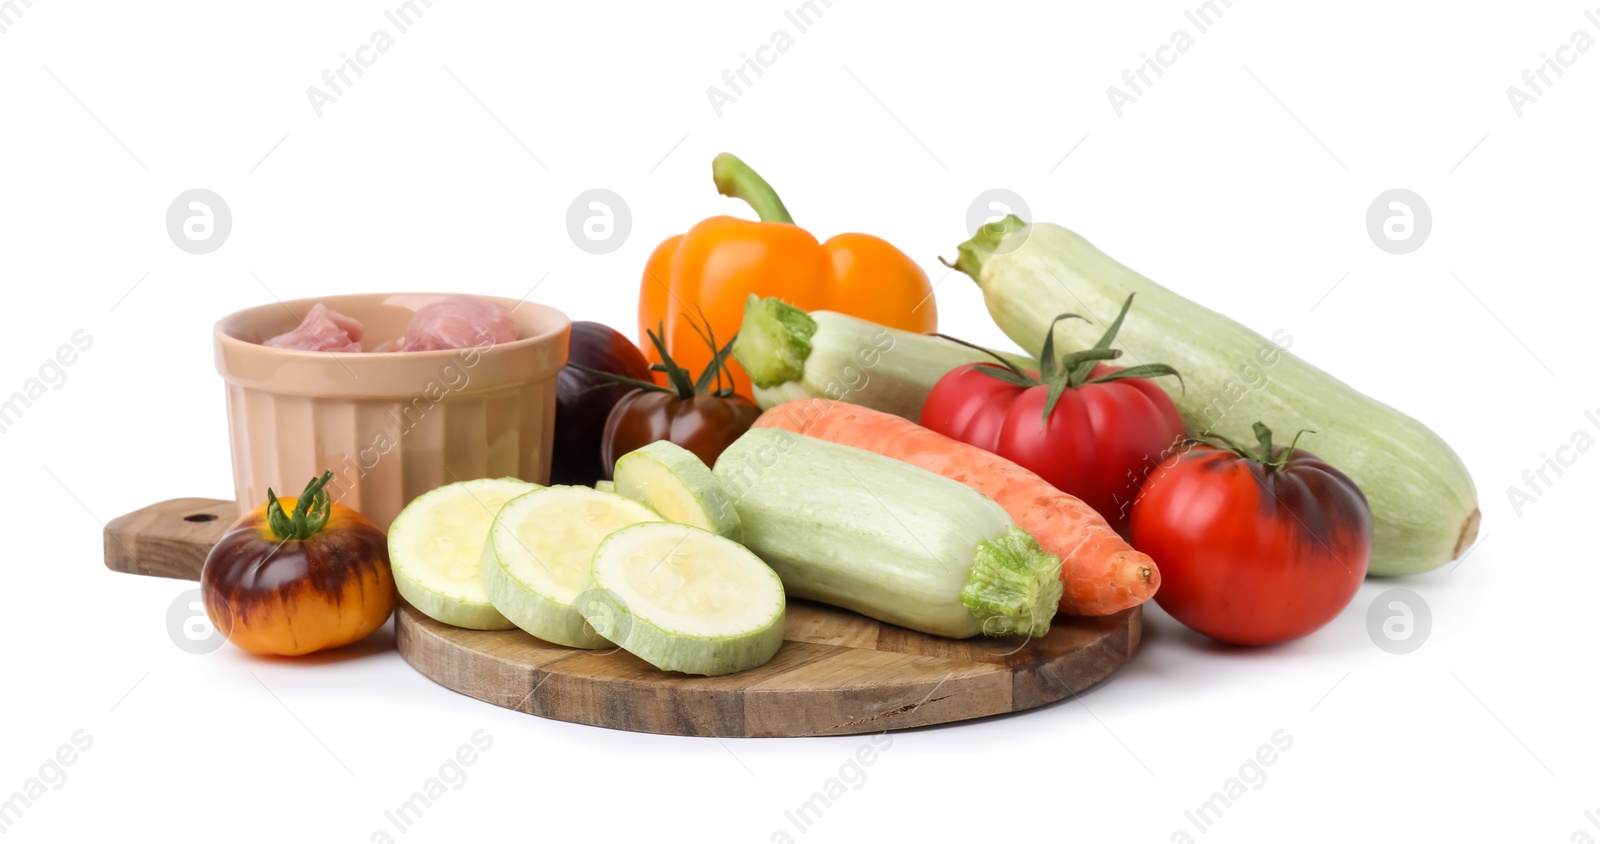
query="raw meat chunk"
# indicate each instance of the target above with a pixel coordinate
(454, 322)
(323, 330)
(459, 322)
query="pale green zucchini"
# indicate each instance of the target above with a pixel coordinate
(535, 563)
(1424, 504)
(672, 481)
(684, 599)
(791, 354)
(436, 545)
(887, 539)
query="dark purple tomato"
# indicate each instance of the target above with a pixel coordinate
(583, 400)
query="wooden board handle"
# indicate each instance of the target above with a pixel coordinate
(170, 539)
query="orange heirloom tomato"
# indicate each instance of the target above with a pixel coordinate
(298, 575)
(718, 263)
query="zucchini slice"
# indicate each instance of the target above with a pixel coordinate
(684, 599)
(536, 562)
(682, 489)
(435, 545)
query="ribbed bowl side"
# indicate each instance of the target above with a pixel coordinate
(390, 426)
(384, 453)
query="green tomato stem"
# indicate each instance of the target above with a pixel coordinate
(684, 385)
(1264, 452)
(311, 511)
(1011, 374)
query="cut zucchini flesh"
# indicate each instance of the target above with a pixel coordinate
(435, 545)
(536, 561)
(605, 486)
(684, 599)
(682, 489)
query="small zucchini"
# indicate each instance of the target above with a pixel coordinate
(887, 539)
(791, 354)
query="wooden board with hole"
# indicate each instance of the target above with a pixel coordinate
(838, 673)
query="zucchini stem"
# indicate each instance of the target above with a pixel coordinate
(1014, 586)
(774, 341)
(971, 255)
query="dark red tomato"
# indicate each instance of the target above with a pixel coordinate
(703, 415)
(1255, 548)
(704, 424)
(584, 400)
(1108, 428)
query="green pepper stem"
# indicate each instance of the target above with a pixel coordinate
(736, 179)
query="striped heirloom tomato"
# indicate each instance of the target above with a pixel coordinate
(298, 575)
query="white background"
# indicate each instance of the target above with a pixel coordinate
(1241, 179)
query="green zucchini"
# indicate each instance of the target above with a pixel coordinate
(791, 354)
(1424, 504)
(684, 599)
(671, 480)
(436, 545)
(535, 563)
(887, 539)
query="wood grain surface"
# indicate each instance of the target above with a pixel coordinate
(170, 539)
(837, 673)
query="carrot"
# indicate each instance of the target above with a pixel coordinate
(1100, 573)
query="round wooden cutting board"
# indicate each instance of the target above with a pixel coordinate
(837, 673)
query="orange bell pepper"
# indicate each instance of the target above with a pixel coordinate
(715, 266)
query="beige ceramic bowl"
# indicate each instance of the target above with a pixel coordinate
(390, 425)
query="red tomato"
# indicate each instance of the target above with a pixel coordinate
(1109, 426)
(1098, 443)
(1255, 548)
